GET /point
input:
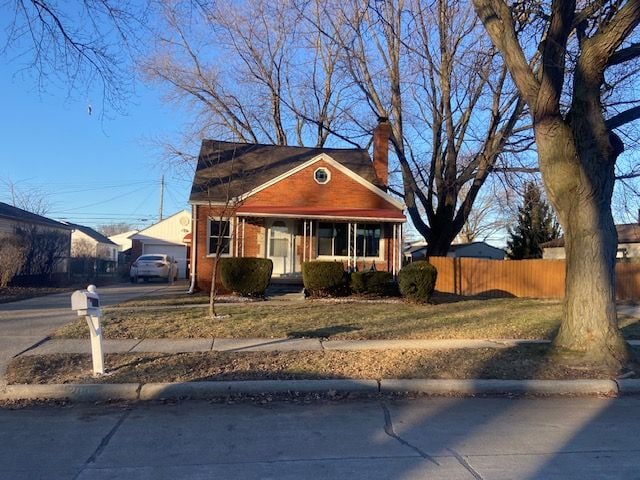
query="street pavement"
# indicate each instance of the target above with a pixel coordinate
(25, 323)
(418, 438)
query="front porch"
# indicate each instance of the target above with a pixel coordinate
(360, 244)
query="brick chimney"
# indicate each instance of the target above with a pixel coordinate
(381, 135)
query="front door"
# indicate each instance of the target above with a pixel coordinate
(280, 246)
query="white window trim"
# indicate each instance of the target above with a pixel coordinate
(230, 236)
(381, 253)
(327, 171)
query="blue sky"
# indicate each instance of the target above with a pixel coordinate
(91, 170)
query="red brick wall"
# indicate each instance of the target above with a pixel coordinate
(301, 190)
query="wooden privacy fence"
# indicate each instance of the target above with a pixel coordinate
(520, 278)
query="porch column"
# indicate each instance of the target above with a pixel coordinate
(355, 246)
(393, 249)
(243, 237)
(304, 241)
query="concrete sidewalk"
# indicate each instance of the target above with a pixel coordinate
(162, 345)
(208, 389)
(149, 345)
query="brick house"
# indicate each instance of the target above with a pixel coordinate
(295, 204)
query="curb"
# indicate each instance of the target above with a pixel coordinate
(212, 389)
(501, 387)
(77, 391)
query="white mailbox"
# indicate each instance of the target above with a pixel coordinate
(87, 303)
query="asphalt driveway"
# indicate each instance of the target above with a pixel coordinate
(27, 322)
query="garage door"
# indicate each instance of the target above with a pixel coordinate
(178, 252)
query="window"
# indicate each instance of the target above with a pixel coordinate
(368, 240)
(322, 176)
(279, 239)
(333, 239)
(219, 234)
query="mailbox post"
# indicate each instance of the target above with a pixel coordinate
(87, 303)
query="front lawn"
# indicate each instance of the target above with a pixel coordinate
(523, 362)
(491, 318)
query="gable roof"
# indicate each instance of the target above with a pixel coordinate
(627, 233)
(90, 232)
(246, 166)
(17, 214)
(169, 231)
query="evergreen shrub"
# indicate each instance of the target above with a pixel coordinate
(322, 278)
(372, 282)
(247, 276)
(417, 281)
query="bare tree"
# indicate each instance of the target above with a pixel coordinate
(451, 106)
(83, 248)
(487, 217)
(323, 71)
(27, 198)
(12, 257)
(249, 72)
(77, 44)
(110, 229)
(582, 48)
(45, 249)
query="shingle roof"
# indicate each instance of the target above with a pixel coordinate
(627, 233)
(90, 232)
(17, 214)
(245, 166)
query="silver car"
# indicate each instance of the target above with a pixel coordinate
(153, 265)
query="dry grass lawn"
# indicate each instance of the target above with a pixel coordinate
(491, 318)
(525, 362)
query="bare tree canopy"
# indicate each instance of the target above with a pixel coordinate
(76, 44)
(575, 65)
(322, 72)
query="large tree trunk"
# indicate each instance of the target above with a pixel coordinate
(580, 185)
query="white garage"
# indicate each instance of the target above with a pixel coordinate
(167, 237)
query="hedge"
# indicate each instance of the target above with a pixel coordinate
(323, 278)
(417, 281)
(247, 276)
(372, 282)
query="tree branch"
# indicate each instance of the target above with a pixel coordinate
(623, 118)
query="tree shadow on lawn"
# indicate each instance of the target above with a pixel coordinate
(324, 332)
(444, 297)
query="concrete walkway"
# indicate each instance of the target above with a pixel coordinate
(264, 345)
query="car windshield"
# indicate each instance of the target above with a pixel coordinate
(151, 258)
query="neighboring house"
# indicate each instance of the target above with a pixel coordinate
(628, 244)
(88, 243)
(476, 250)
(294, 204)
(418, 251)
(13, 219)
(123, 240)
(168, 237)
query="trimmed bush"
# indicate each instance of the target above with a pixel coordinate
(247, 276)
(417, 281)
(323, 278)
(372, 282)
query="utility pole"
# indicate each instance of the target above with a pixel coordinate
(161, 195)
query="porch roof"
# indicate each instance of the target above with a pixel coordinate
(379, 214)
